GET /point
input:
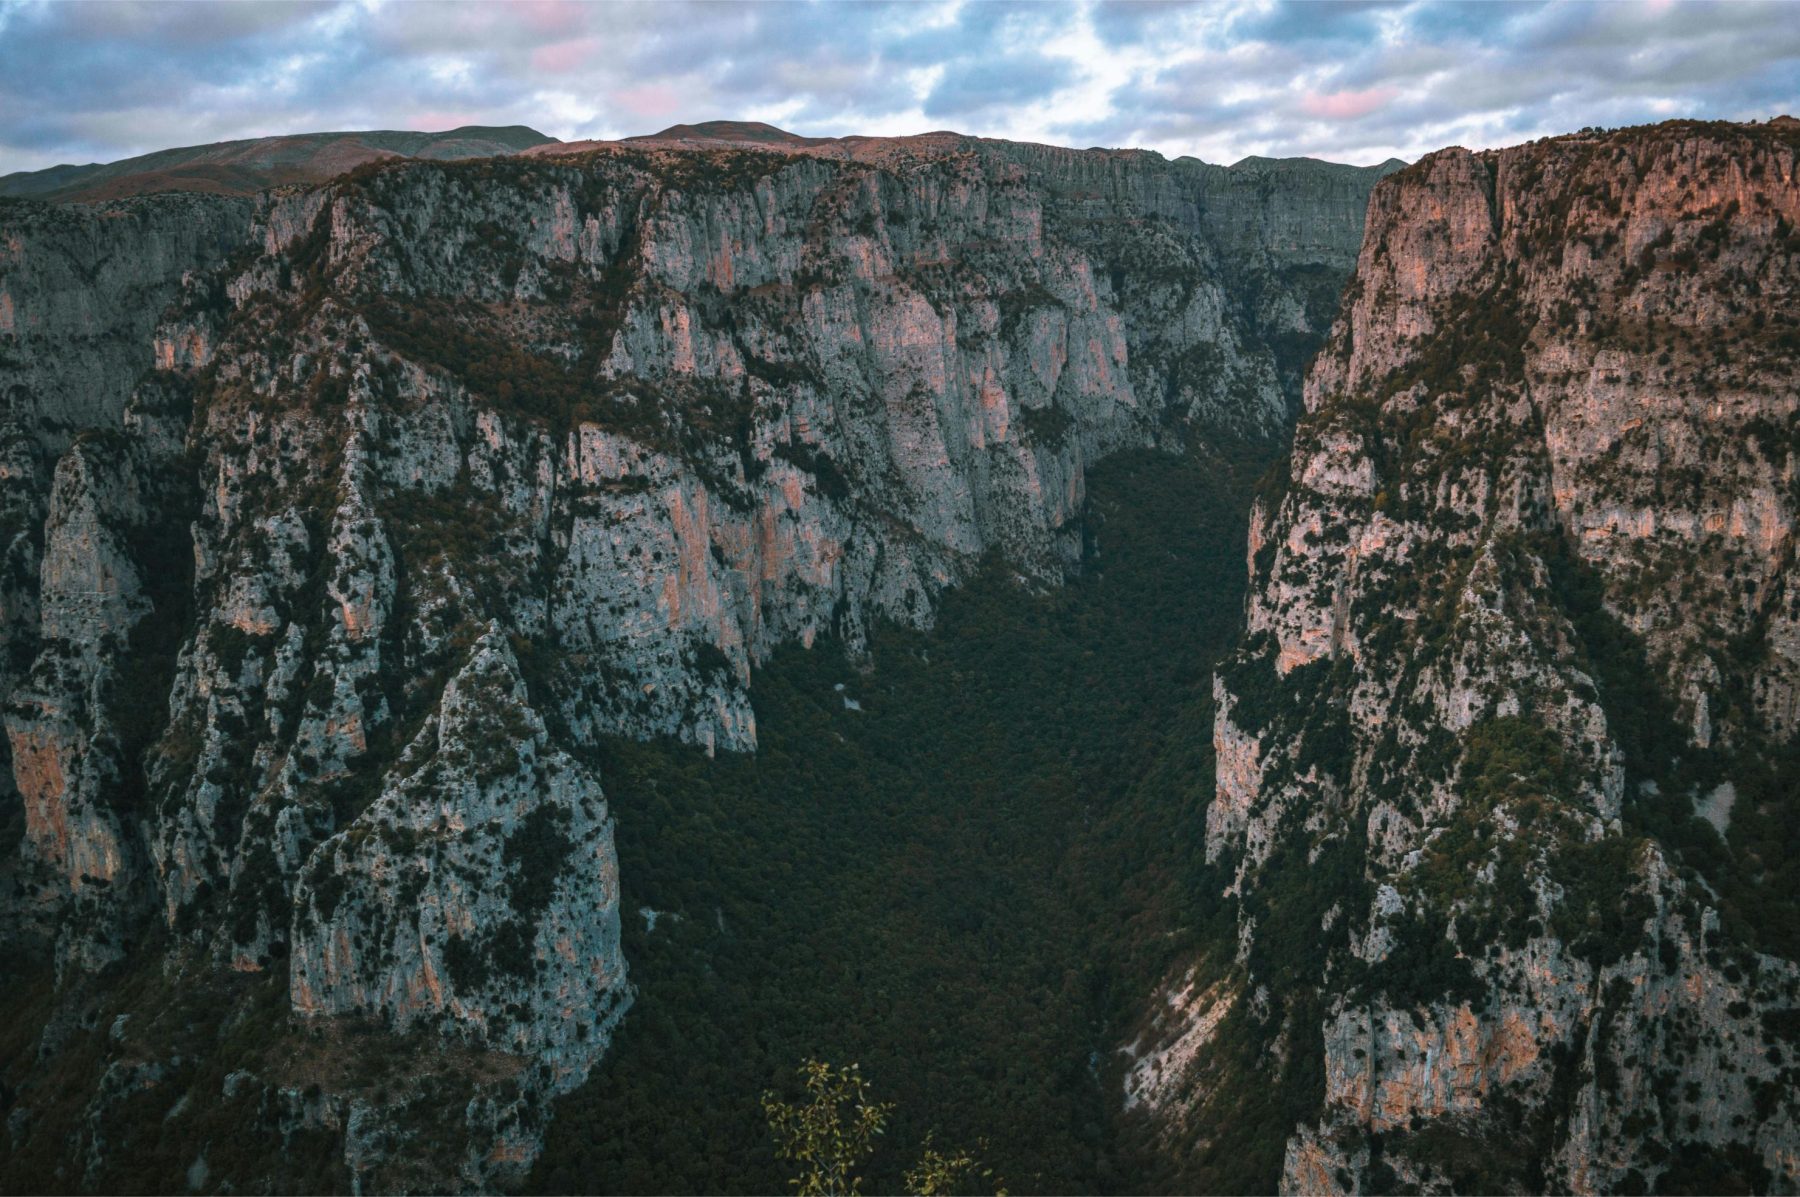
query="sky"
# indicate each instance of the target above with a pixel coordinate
(1348, 81)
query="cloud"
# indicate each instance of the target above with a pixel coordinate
(1007, 80)
(1352, 81)
(1346, 105)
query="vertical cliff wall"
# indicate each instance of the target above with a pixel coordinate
(1506, 761)
(86, 470)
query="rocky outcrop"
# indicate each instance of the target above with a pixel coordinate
(83, 294)
(76, 723)
(480, 883)
(1525, 599)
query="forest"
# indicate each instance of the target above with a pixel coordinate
(968, 882)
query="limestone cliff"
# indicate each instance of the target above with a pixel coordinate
(350, 520)
(83, 294)
(1521, 629)
(480, 884)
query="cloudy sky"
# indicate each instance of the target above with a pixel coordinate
(1354, 82)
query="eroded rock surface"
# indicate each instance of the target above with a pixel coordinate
(1528, 597)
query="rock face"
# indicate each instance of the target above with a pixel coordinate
(65, 724)
(83, 296)
(480, 882)
(1526, 602)
(347, 522)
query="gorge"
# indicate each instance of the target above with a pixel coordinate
(1200, 678)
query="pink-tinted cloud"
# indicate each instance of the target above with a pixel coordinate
(1346, 105)
(652, 100)
(436, 120)
(559, 58)
(549, 16)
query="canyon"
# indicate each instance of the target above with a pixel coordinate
(357, 526)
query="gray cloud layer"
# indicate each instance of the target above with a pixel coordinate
(1349, 81)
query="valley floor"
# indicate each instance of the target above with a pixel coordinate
(962, 864)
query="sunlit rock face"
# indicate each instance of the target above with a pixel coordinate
(1526, 603)
(341, 524)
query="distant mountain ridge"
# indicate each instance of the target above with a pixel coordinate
(248, 166)
(256, 164)
(734, 131)
(759, 135)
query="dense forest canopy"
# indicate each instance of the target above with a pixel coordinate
(969, 882)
